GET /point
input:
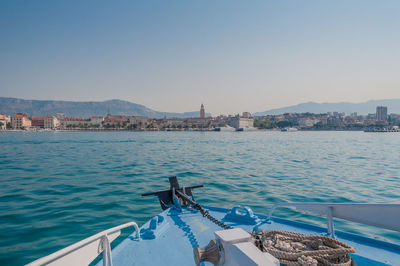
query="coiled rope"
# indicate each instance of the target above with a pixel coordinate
(290, 248)
(294, 249)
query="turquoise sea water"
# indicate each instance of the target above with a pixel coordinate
(58, 188)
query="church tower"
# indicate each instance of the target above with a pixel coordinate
(202, 112)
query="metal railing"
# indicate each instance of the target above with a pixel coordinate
(380, 215)
(85, 251)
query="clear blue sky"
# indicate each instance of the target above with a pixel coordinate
(233, 56)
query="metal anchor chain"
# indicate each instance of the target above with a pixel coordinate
(204, 212)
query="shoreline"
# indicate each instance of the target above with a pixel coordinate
(175, 130)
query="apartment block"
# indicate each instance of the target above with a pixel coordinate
(20, 121)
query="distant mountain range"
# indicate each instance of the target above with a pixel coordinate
(118, 107)
(83, 109)
(364, 108)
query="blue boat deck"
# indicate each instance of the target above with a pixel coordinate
(173, 235)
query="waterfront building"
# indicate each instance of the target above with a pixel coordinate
(20, 121)
(335, 120)
(202, 112)
(96, 121)
(122, 119)
(74, 122)
(175, 123)
(305, 122)
(369, 121)
(198, 122)
(221, 121)
(351, 120)
(323, 120)
(51, 122)
(239, 122)
(139, 121)
(394, 118)
(115, 121)
(112, 123)
(38, 121)
(4, 120)
(3, 123)
(381, 113)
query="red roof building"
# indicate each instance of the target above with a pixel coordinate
(38, 121)
(20, 121)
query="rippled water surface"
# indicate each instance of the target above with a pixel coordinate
(58, 188)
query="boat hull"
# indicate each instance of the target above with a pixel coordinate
(172, 240)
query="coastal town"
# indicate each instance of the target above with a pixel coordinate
(380, 121)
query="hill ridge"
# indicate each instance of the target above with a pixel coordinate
(9, 105)
(362, 108)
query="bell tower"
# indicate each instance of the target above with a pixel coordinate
(202, 112)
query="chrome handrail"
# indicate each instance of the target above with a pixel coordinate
(102, 247)
(380, 215)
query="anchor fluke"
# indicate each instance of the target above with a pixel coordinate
(166, 196)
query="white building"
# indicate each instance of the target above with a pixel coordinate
(4, 120)
(96, 120)
(175, 122)
(308, 122)
(51, 122)
(381, 113)
(74, 122)
(239, 122)
(141, 121)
